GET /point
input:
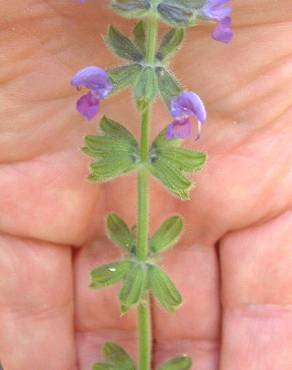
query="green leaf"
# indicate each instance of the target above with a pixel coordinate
(169, 88)
(167, 235)
(177, 13)
(131, 8)
(122, 46)
(134, 287)
(185, 159)
(192, 3)
(140, 36)
(146, 87)
(124, 76)
(170, 43)
(163, 289)
(189, 4)
(115, 130)
(109, 274)
(103, 366)
(115, 153)
(119, 233)
(171, 177)
(118, 357)
(102, 146)
(169, 163)
(178, 363)
(113, 166)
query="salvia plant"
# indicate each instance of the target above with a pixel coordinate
(116, 152)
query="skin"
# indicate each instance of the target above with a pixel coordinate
(234, 263)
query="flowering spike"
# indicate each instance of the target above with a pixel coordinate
(115, 152)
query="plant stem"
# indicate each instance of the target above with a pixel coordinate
(143, 189)
(152, 28)
(144, 312)
(145, 335)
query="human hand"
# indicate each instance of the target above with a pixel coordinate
(235, 261)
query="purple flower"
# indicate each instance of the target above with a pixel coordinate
(188, 104)
(97, 81)
(180, 128)
(183, 108)
(217, 10)
(88, 105)
(222, 31)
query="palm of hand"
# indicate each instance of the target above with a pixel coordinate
(241, 202)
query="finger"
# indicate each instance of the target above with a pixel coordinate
(36, 312)
(194, 328)
(98, 318)
(63, 191)
(257, 296)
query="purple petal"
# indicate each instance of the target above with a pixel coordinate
(179, 129)
(222, 31)
(215, 10)
(95, 79)
(88, 106)
(188, 104)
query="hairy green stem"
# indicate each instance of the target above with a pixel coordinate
(144, 312)
(143, 189)
(152, 28)
(145, 337)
